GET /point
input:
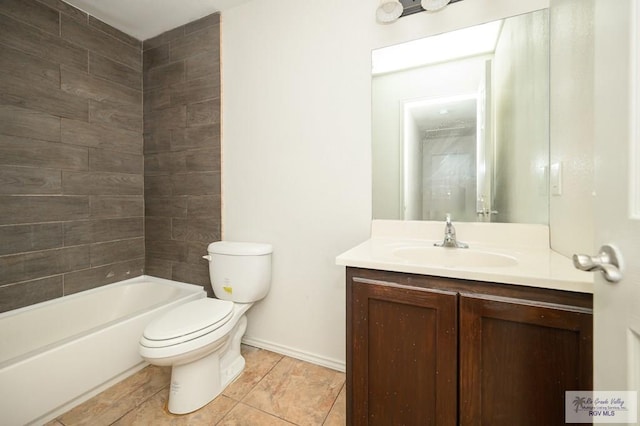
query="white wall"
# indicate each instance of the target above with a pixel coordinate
(572, 118)
(521, 95)
(412, 197)
(296, 138)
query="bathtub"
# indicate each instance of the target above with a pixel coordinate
(59, 353)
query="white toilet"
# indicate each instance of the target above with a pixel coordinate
(201, 339)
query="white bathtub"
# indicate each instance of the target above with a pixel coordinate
(59, 353)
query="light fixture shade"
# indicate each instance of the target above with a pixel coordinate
(389, 11)
(431, 5)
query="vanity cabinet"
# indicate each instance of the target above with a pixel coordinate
(425, 350)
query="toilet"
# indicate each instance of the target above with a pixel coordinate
(200, 340)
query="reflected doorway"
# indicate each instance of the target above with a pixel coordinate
(445, 158)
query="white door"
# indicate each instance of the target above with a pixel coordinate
(617, 192)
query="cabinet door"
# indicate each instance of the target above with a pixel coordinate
(401, 355)
(517, 359)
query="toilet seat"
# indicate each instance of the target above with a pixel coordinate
(187, 322)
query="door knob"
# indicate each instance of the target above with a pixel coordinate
(608, 261)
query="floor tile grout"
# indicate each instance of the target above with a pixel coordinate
(269, 382)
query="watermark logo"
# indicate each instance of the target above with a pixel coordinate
(601, 407)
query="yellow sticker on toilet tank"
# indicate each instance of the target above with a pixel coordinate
(228, 289)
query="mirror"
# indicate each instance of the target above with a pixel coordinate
(461, 124)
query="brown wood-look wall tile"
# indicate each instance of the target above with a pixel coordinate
(116, 33)
(163, 38)
(165, 163)
(22, 93)
(155, 57)
(204, 65)
(96, 231)
(89, 87)
(29, 180)
(105, 206)
(207, 21)
(195, 91)
(163, 76)
(195, 137)
(157, 141)
(116, 114)
(94, 183)
(102, 160)
(168, 250)
(165, 206)
(28, 123)
(203, 113)
(29, 266)
(95, 135)
(67, 9)
(87, 279)
(203, 160)
(25, 238)
(203, 230)
(18, 295)
(195, 251)
(207, 206)
(39, 43)
(26, 67)
(157, 186)
(157, 268)
(158, 98)
(34, 209)
(157, 228)
(32, 13)
(192, 274)
(116, 251)
(108, 69)
(196, 42)
(203, 183)
(162, 119)
(33, 153)
(93, 39)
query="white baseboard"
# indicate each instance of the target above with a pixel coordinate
(333, 364)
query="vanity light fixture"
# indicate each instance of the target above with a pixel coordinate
(433, 5)
(389, 11)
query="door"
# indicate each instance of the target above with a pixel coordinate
(617, 192)
(518, 357)
(402, 355)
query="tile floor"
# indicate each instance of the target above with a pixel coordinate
(272, 390)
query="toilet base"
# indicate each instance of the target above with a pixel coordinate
(195, 384)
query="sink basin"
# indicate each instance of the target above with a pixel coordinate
(454, 257)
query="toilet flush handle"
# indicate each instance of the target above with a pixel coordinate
(207, 257)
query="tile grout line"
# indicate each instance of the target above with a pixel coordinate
(334, 402)
(137, 406)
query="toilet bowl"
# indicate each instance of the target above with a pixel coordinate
(200, 340)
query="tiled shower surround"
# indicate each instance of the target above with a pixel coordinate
(182, 149)
(73, 187)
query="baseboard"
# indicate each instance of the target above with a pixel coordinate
(295, 353)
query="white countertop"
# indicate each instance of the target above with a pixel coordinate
(535, 264)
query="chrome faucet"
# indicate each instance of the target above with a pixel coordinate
(450, 236)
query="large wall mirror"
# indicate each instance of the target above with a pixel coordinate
(461, 124)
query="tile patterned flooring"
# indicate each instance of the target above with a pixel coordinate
(272, 390)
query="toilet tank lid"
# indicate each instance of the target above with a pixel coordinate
(234, 248)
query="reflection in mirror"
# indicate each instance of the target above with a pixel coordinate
(461, 124)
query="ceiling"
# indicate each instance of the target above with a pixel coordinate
(144, 19)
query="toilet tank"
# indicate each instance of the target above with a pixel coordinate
(239, 271)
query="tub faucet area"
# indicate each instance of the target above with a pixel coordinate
(450, 239)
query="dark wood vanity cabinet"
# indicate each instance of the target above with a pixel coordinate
(433, 351)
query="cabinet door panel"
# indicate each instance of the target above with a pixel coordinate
(517, 359)
(402, 356)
